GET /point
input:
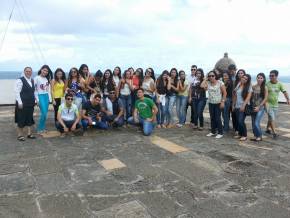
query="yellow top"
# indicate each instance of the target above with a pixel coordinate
(185, 92)
(58, 90)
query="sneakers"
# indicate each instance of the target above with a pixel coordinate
(210, 134)
(179, 125)
(218, 136)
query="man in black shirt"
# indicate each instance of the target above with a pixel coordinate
(91, 114)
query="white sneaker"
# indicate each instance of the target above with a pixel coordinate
(179, 125)
(218, 136)
(210, 134)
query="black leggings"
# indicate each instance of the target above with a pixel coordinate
(55, 107)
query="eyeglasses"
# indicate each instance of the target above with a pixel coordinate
(211, 75)
(193, 69)
(111, 93)
(69, 99)
(272, 75)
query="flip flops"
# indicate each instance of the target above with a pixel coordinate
(31, 136)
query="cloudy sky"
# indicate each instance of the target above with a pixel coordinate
(142, 33)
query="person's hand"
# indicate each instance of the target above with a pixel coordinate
(222, 105)
(65, 129)
(242, 109)
(37, 103)
(256, 109)
(136, 120)
(73, 128)
(189, 100)
(109, 113)
(149, 119)
(20, 106)
(90, 121)
(53, 102)
(288, 101)
(115, 120)
(158, 101)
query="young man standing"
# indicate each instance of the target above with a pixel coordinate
(68, 116)
(144, 113)
(191, 79)
(274, 87)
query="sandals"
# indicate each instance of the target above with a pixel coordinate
(31, 136)
(21, 138)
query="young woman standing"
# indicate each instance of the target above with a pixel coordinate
(242, 96)
(148, 84)
(197, 98)
(108, 83)
(137, 81)
(161, 91)
(171, 95)
(117, 77)
(57, 90)
(182, 98)
(125, 88)
(42, 95)
(228, 103)
(75, 85)
(216, 101)
(258, 101)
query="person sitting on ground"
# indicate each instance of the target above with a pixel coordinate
(68, 116)
(113, 109)
(92, 113)
(144, 113)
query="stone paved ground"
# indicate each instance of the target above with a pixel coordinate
(174, 173)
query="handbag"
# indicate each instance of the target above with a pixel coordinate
(249, 109)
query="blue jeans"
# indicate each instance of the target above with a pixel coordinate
(198, 106)
(171, 100)
(118, 123)
(43, 105)
(68, 125)
(98, 125)
(181, 102)
(215, 118)
(242, 128)
(256, 120)
(146, 125)
(161, 113)
(226, 114)
(127, 104)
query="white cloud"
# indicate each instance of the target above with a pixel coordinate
(159, 33)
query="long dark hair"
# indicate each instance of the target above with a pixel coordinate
(176, 77)
(182, 80)
(120, 73)
(237, 77)
(63, 76)
(159, 82)
(81, 70)
(201, 72)
(141, 75)
(246, 87)
(70, 76)
(49, 75)
(152, 73)
(111, 84)
(263, 85)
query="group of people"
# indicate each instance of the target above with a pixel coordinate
(114, 99)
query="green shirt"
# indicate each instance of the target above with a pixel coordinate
(274, 89)
(144, 107)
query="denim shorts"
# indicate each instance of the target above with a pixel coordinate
(272, 113)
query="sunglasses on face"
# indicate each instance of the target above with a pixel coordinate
(69, 99)
(193, 69)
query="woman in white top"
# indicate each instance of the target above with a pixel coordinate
(42, 95)
(216, 101)
(117, 77)
(125, 88)
(148, 84)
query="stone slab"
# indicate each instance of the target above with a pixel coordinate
(167, 145)
(112, 164)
